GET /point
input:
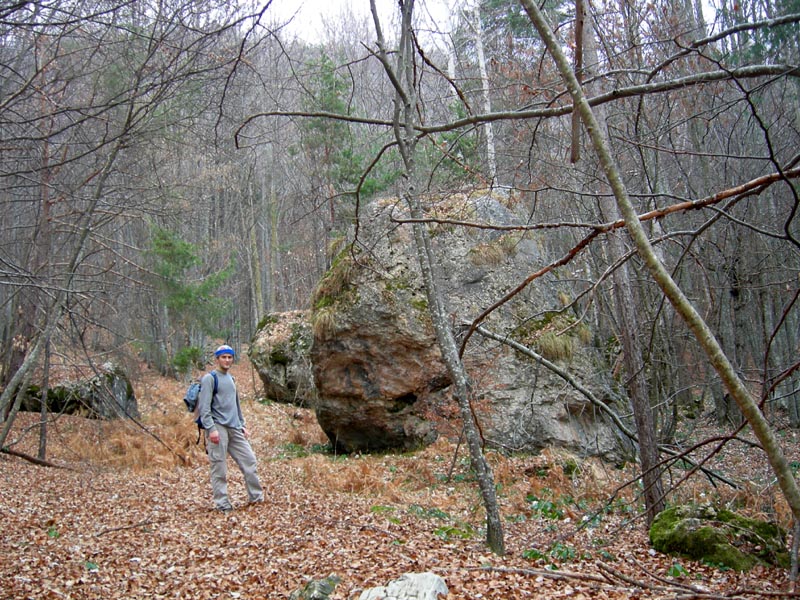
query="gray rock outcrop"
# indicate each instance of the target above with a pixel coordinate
(107, 395)
(379, 380)
(280, 353)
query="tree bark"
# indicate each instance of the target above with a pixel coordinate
(491, 161)
(42, 455)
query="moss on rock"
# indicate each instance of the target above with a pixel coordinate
(719, 537)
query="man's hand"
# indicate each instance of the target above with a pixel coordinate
(246, 433)
(213, 437)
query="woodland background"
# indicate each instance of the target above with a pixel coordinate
(172, 172)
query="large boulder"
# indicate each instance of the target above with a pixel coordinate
(386, 368)
(376, 364)
(380, 380)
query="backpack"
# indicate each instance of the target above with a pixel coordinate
(190, 399)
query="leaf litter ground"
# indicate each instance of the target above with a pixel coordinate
(129, 516)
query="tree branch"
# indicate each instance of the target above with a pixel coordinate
(745, 188)
(33, 459)
(541, 113)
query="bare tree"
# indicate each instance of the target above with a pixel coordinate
(405, 107)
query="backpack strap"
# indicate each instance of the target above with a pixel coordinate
(213, 395)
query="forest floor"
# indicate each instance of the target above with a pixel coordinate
(128, 515)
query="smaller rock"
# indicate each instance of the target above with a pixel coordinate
(318, 589)
(279, 351)
(411, 586)
(107, 395)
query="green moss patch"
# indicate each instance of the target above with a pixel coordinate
(719, 537)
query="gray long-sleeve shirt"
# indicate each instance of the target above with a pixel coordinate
(224, 410)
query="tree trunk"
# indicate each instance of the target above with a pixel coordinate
(404, 119)
(18, 381)
(575, 148)
(639, 392)
(248, 229)
(629, 331)
(42, 455)
(491, 161)
(274, 261)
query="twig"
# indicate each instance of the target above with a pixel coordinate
(557, 575)
(675, 584)
(765, 594)
(134, 526)
(628, 579)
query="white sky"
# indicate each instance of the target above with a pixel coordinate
(310, 14)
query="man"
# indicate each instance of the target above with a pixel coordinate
(221, 417)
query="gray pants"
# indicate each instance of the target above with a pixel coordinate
(233, 442)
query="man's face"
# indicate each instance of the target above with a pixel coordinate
(225, 361)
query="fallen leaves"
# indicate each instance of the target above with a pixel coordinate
(106, 531)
